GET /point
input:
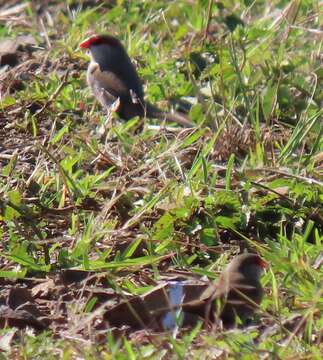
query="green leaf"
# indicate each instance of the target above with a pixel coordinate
(164, 227)
(229, 172)
(60, 134)
(208, 236)
(131, 248)
(7, 101)
(269, 100)
(13, 274)
(20, 256)
(10, 213)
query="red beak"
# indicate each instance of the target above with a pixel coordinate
(263, 263)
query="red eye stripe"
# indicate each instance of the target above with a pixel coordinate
(87, 43)
(99, 39)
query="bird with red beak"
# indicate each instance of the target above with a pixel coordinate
(236, 294)
(115, 83)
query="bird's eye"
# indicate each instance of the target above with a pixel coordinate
(88, 52)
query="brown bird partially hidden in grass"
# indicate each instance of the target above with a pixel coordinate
(237, 293)
(115, 83)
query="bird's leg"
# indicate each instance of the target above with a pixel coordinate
(115, 105)
(112, 108)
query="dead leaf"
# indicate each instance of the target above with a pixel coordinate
(8, 52)
(19, 319)
(42, 289)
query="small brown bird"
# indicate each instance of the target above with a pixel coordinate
(115, 83)
(237, 293)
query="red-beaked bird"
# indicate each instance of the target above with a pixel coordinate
(115, 83)
(238, 292)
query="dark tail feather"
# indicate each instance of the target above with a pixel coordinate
(181, 119)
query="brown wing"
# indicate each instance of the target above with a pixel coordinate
(106, 86)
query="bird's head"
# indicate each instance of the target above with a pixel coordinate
(103, 48)
(250, 265)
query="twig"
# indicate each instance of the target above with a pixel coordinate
(209, 16)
